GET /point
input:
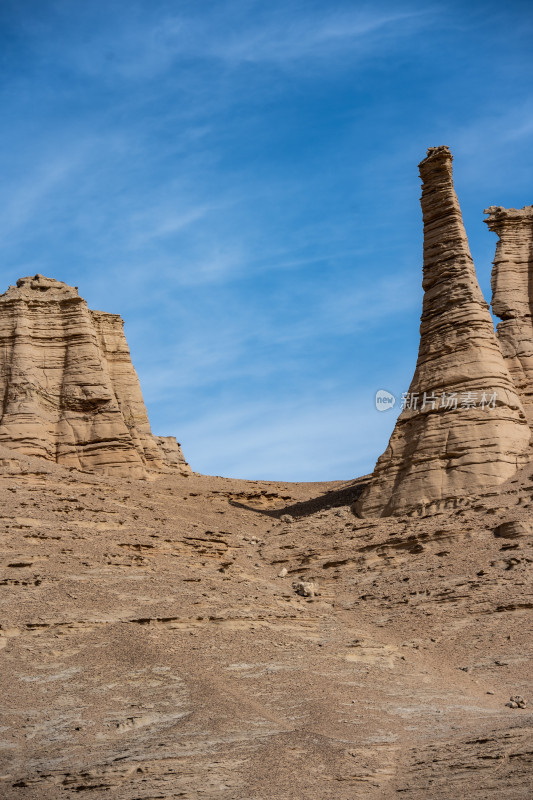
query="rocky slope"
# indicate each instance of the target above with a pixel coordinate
(70, 392)
(463, 427)
(153, 643)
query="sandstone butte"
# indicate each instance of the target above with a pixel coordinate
(70, 392)
(439, 452)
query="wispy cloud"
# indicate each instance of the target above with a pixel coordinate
(309, 37)
(296, 440)
(163, 221)
(23, 202)
(151, 44)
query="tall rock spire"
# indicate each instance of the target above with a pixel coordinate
(463, 427)
(512, 295)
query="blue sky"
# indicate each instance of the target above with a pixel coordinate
(239, 181)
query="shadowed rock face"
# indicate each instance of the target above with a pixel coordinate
(512, 294)
(69, 391)
(454, 441)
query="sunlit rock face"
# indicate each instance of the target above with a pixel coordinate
(69, 391)
(463, 427)
(512, 294)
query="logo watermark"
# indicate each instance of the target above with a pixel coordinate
(445, 401)
(384, 400)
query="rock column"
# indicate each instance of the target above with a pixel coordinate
(463, 427)
(512, 295)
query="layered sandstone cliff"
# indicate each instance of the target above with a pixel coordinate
(512, 294)
(463, 427)
(70, 392)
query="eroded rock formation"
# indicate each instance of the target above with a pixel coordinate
(463, 427)
(512, 294)
(70, 392)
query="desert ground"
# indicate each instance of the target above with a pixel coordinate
(153, 645)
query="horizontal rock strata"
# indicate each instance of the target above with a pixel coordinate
(512, 294)
(463, 427)
(69, 391)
